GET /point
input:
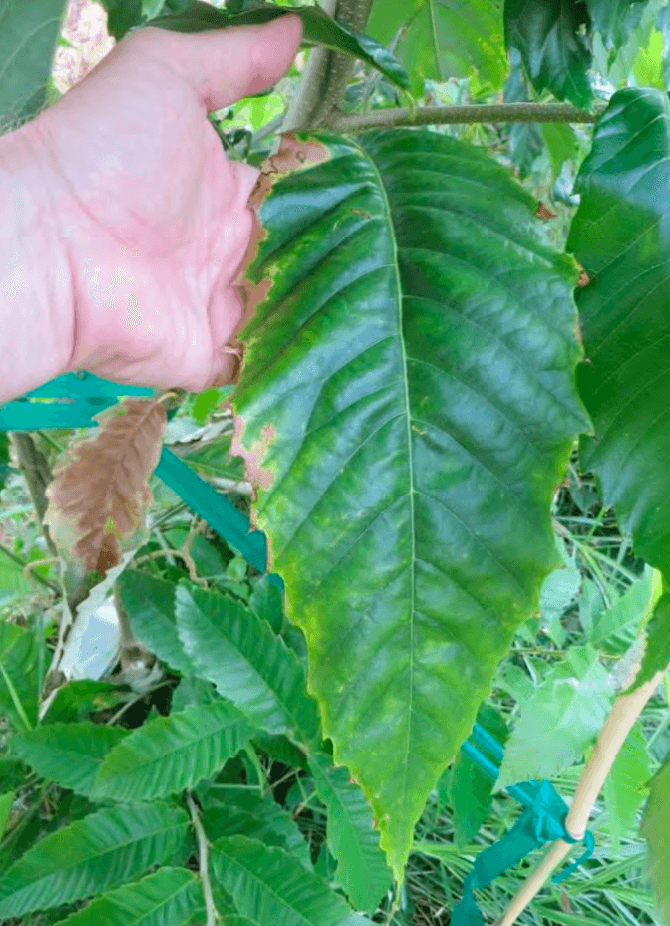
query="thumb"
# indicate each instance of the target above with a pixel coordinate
(224, 65)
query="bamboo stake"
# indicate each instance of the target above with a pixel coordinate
(624, 713)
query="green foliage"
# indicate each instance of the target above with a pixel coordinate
(390, 379)
(318, 29)
(559, 721)
(655, 828)
(28, 39)
(19, 692)
(621, 236)
(546, 33)
(205, 403)
(122, 15)
(4, 461)
(561, 143)
(231, 810)
(6, 801)
(273, 889)
(100, 851)
(615, 19)
(149, 602)
(172, 753)
(614, 629)
(625, 787)
(249, 665)
(407, 409)
(352, 838)
(657, 648)
(166, 898)
(266, 602)
(470, 790)
(68, 753)
(443, 38)
(556, 39)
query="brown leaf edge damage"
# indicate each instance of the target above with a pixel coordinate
(295, 153)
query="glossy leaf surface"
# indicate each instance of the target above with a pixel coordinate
(621, 235)
(406, 406)
(90, 855)
(122, 15)
(547, 34)
(615, 19)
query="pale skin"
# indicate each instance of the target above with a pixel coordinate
(131, 224)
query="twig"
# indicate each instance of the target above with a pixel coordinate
(193, 573)
(452, 115)
(134, 700)
(310, 88)
(230, 485)
(326, 73)
(268, 129)
(203, 845)
(27, 565)
(36, 471)
(618, 725)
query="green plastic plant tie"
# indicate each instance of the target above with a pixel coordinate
(524, 793)
(79, 396)
(590, 844)
(542, 822)
(484, 739)
(219, 513)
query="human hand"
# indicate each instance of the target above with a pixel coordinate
(153, 217)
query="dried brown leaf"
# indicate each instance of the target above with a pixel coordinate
(99, 496)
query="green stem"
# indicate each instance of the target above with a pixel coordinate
(451, 115)
(32, 574)
(203, 847)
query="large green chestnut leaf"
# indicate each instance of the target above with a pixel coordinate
(621, 235)
(406, 407)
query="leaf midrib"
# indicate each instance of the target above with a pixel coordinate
(98, 853)
(412, 490)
